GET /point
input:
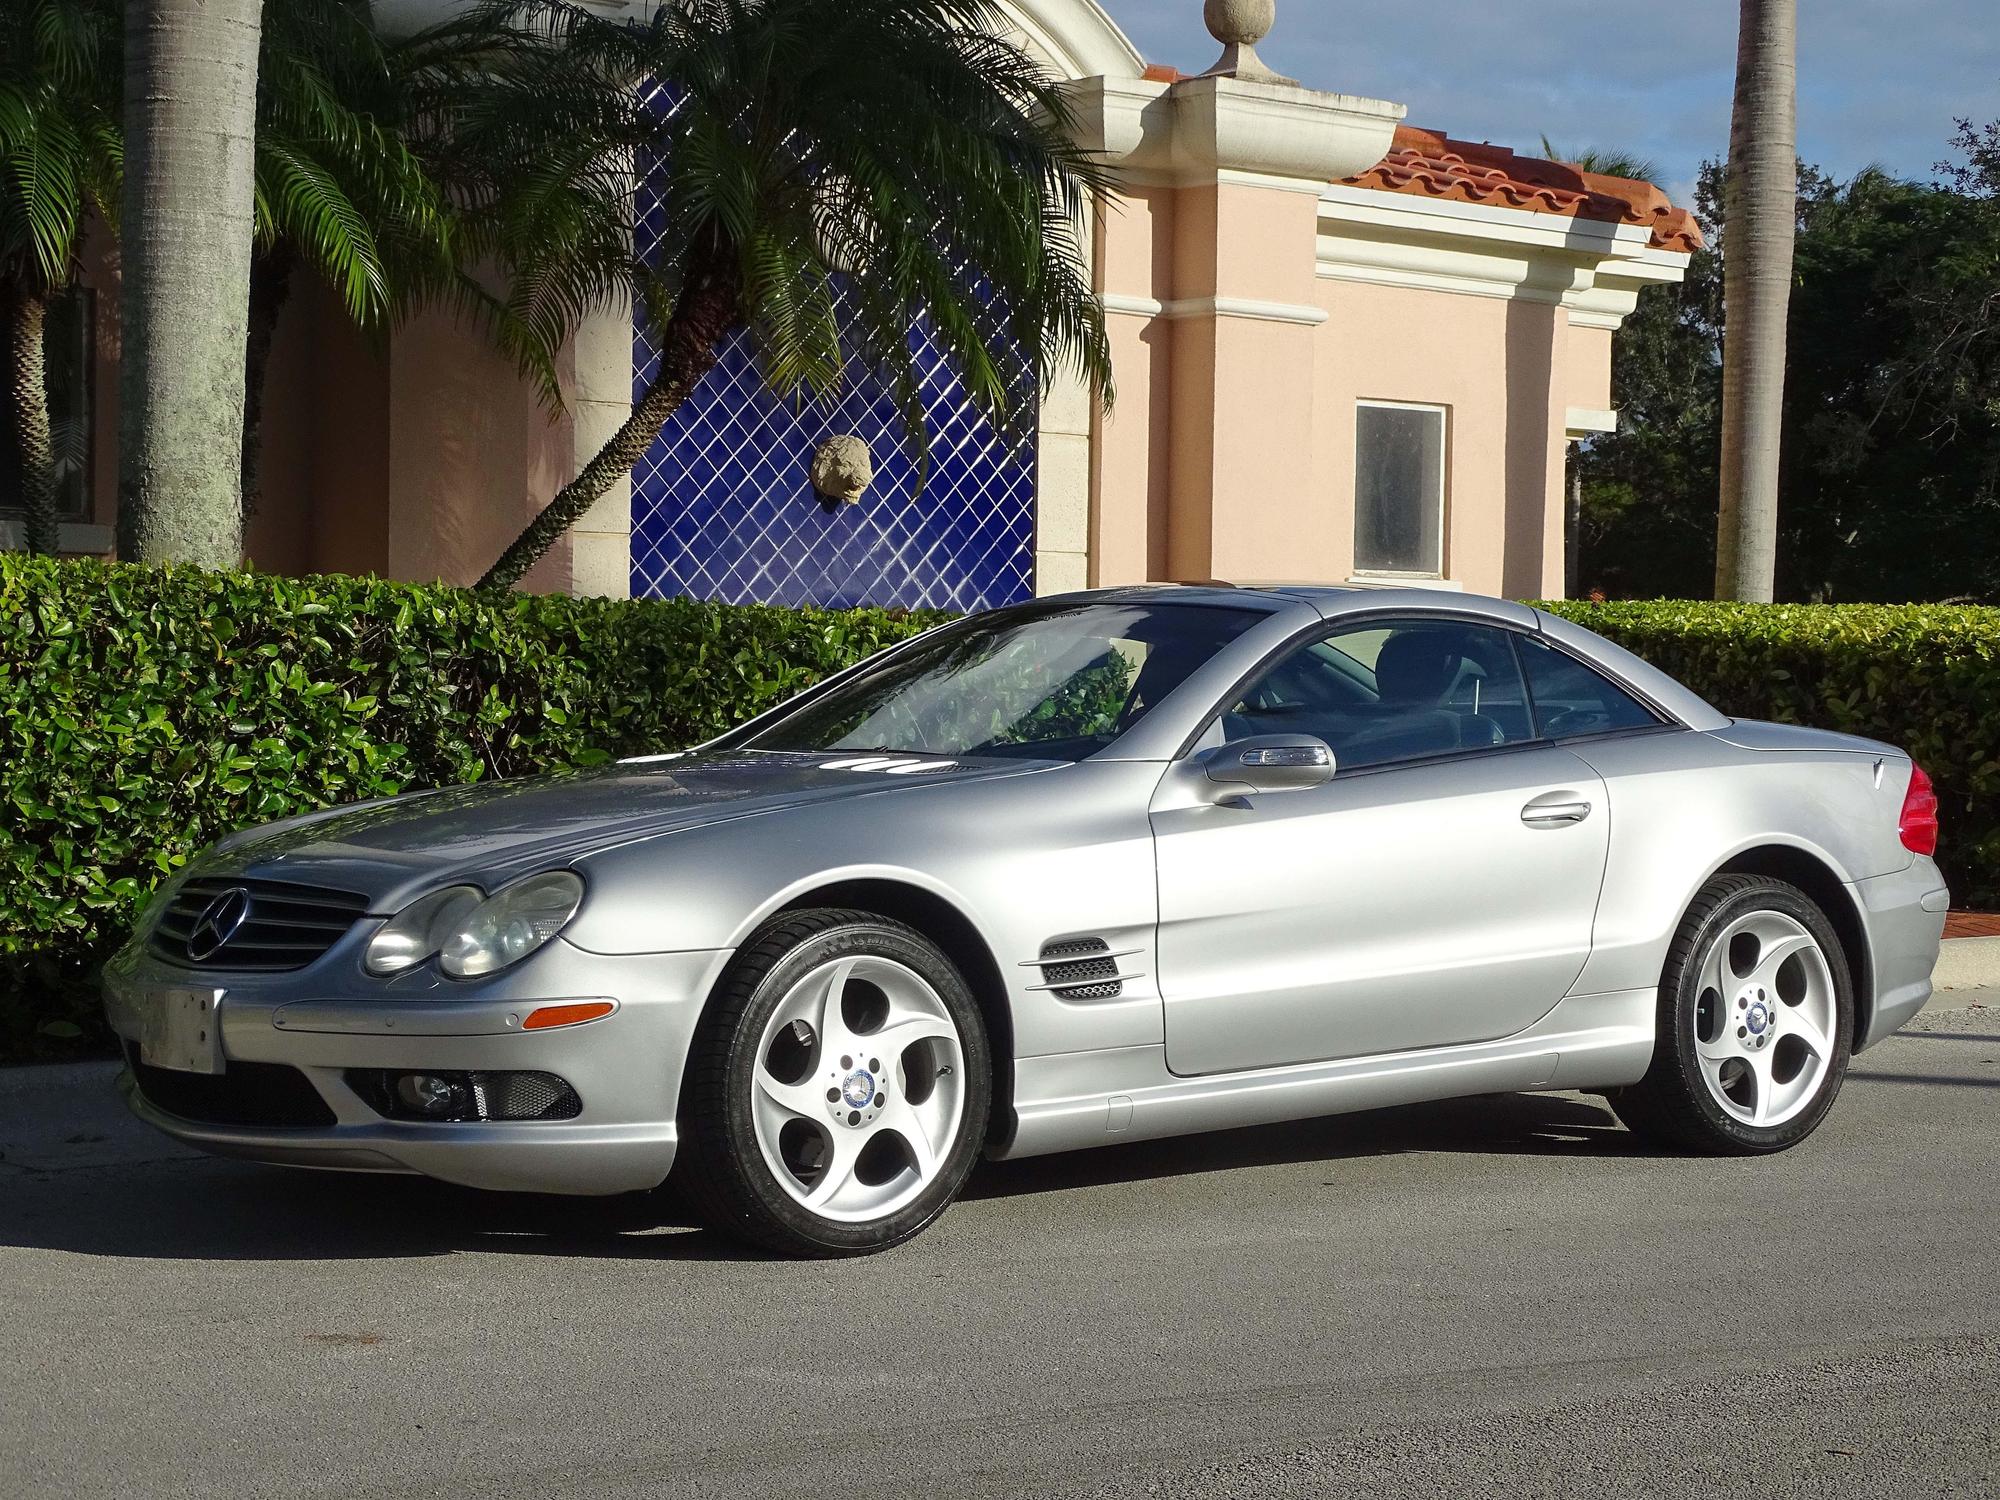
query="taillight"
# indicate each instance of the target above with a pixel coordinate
(1918, 825)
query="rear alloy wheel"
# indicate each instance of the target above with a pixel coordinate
(838, 1097)
(1756, 1023)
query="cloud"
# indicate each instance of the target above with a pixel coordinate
(1878, 83)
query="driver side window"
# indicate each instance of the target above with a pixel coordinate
(1394, 690)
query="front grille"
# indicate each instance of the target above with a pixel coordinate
(256, 1094)
(267, 926)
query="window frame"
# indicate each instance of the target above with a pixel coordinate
(1443, 570)
(1667, 722)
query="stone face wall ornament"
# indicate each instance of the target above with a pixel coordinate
(1240, 25)
(842, 469)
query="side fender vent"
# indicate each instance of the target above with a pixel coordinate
(1082, 969)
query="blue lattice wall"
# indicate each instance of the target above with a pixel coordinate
(723, 506)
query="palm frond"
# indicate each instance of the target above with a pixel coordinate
(60, 81)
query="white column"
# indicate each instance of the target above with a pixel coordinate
(601, 559)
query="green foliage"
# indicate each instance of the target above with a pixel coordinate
(1891, 483)
(60, 145)
(1922, 677)
(339, 183)
(146, 712)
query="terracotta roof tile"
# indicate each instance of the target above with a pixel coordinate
(1429, 164)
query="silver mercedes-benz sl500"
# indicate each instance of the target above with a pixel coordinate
(1095, 869)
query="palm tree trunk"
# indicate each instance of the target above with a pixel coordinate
(1760, 221)
(26, 315)
(707, 311)
(191, 105)
(270, 286)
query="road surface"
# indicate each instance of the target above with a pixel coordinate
(1502, 1296)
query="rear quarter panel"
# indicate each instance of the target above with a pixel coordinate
(1684, 804)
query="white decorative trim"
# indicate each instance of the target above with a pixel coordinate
(1491, 221)
(1208, 130)
(1214, 307)
(1593, 269)
(1270, 182)
(1076, 37)
(1131, 306)
(1582, 421)
(1403, 581)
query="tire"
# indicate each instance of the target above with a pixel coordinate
(1756, 1024)
(793, 1139)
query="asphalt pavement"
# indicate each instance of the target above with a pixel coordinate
(1503, 1296)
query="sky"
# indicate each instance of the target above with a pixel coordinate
(1880, 81)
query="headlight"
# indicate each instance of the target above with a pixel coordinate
(510, 924)
(419, 929)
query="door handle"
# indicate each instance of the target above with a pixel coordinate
(1540, 814)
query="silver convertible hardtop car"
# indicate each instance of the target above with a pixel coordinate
(1094, 869)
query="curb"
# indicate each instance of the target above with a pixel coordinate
(1967, 963)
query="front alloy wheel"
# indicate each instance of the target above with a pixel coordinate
(837, 1098)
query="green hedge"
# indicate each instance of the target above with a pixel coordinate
(1925, 677)
(146, 712)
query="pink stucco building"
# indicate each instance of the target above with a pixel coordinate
(1346, 349)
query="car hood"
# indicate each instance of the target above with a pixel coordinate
(390, 849)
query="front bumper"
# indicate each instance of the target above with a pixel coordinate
(1904, 914)
(626, 1067)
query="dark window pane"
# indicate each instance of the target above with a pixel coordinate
(1573, 699)
(1386, 692)
(1046, 681)
(67, 342)
(1399, 490)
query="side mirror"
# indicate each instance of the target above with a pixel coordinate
(1272, 763)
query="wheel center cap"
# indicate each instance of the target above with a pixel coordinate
(1756, 1018)
(859, 1088)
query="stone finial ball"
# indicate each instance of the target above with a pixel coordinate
(843, 468)
(1240, 23)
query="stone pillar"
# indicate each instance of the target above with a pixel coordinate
(1208, 271)
(600, 403)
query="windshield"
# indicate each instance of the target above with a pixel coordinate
(1044, 681)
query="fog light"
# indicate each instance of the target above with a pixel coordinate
(429, 1095)
(465, 1098)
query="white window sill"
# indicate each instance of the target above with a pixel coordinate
(1404, 581)
(75, 536)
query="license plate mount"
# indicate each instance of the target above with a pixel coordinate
(181, 1030)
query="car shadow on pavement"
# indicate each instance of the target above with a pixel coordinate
(197, 1208)
(1499, 1124)
(203, 1209)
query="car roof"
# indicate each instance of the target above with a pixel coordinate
(1329, 600)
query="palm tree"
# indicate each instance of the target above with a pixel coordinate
(830, 172)
(59, 160)
(1604, 162)
(188, 225)
(1760, 221)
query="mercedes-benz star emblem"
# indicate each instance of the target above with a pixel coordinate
(219, 921)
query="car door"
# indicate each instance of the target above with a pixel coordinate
(1438, 889)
